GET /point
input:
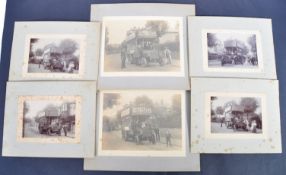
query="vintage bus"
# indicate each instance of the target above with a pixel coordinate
(138, 124)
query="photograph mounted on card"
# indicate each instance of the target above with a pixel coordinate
(236, 119)
(231, 47)
(54, 51)
(59, 56)
(142, 123)
(49, 119)
(240, 115)
(123, 148)
(149, 47)
(232, 51)
(46, 119)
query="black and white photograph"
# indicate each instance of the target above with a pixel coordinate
(233, 49)
(54, 55)
(232, 114)
(142, 121)
(142, 44)
(49, 117)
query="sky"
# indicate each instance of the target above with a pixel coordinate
(220, 101)
(239, 36)
(126, 98)
(41, 43)
(118, 28)
(36, 106)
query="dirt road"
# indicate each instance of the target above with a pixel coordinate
(112, 63)
(217, 64)
(113, 141)
(32, 131)
(217, 128)
(35, 68)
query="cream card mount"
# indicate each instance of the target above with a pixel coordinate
(142, 130)
(235, 116)
(55, 51)
(98, 11)
(231, 47)
(142, 56)
(47, 119)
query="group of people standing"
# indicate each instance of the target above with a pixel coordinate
(154, 129)
(231, 121)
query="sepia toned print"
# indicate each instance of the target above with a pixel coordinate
(142, 45)
(142, 122)
(54, 55)
(233, 114)
(49, 118)
(233, 50)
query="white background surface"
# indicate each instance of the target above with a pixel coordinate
(2, 15)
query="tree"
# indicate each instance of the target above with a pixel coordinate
(25, 111)
(68, 46)
(51, 108)
(244, 48)
(160, 27)
(110, 99)
(37, 119)
(212, 40)
(39, 52)
(219, 110)
(252, 42)
(249, 104)
(27, 120)
(32, 42)
(143, 100)
(106, 36)
(26, 108)
(213, 98)
(212, 112)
